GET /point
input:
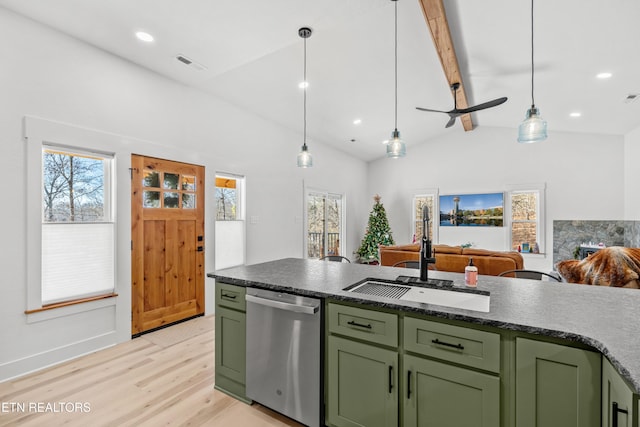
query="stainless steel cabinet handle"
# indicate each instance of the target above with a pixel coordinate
(305, 309)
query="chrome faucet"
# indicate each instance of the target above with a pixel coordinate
(425, 251)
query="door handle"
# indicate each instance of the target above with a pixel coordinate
(390, 378)
(408, 385)
(614, 413)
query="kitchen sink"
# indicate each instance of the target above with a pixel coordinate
(435, 292)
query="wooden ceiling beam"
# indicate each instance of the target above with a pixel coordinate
(436, 19)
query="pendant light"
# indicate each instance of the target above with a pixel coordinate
(534, 127)
(304, 157)
(395, 146)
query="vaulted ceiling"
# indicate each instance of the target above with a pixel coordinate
(250, 55)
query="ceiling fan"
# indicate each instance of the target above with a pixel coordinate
(457, 112)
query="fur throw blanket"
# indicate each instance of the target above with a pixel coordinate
(613, 266)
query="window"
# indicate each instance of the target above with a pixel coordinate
(324, 215)
(230, 221)
(527, 223)
(77, 224)
(227, 198)
(419, 201)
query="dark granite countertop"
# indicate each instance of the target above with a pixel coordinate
(601, 317)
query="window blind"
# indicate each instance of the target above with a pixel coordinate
(77, 260)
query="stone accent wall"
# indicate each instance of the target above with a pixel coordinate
(567, 235)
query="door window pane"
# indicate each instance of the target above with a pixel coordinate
(188, 201)
(171, 200)
(151, 179)
(171, 181)
(151, 199)
(188, 183)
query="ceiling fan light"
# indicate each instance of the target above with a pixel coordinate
(533, 128)
(304, 157)
(396, 147)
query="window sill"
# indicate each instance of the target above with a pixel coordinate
(533, 255)
(66, 308)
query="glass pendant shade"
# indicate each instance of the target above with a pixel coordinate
(304, 157)
(395, 146)
(533, 128)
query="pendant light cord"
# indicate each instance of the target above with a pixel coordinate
(396, 61)
(305, 94)
(532, 68)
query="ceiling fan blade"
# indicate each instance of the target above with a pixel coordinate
(451, 121)
(482, 106)
(432, 111)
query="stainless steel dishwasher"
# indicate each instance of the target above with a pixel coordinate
(283, 354)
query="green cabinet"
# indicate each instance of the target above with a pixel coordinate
(556, 385)
(362, 384)
(366, 354)
(230, 340)
(618, 400)
(441, 395)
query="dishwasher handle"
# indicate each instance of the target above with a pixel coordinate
(304, 309)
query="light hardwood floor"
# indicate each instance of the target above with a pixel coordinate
(161, 378)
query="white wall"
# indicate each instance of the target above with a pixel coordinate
(632, 175)
(49, 75)
(583, 174)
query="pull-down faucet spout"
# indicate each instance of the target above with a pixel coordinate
(425, 251)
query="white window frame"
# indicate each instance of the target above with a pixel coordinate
(434, 216)
(39, 133)
(305, 231)
(539, 188)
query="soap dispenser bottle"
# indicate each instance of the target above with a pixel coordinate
(471, 274)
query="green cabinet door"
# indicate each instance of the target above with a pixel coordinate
(556, 386)
(617, 398)
(230, 351)
(440, 395)
(362, 384)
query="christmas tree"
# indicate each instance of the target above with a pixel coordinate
(378, 233)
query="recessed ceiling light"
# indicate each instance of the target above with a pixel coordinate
(303, 85)
(357, 121)
(144, 36)
(575, 114)
(605, 75)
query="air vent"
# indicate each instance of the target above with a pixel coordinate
(632, 97)
(190, 62)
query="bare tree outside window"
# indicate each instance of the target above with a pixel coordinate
(73, 188)
(227, 198)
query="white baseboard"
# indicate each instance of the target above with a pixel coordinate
(37, 362)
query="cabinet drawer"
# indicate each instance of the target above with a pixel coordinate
(470, 347)
(230, 296)
(369, 325)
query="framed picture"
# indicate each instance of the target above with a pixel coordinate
(472, 210)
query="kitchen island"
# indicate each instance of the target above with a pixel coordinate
(597, 318)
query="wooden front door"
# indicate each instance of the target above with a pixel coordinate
(167, 242)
